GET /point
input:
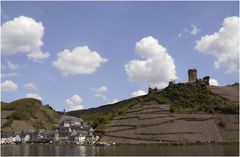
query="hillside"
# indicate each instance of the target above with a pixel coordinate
(27, 113)
(182, 98)
(230, 92)
(180, 112)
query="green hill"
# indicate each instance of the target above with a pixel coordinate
(183, 98)
(27, 113)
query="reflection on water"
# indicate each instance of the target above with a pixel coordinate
(70, 150)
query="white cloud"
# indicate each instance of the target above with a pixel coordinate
(213, 82)
(33, 95)
(101, 89)
(194, 30)
(29, 86)
(113, 101)
(100, 95)
(223, 45)
(23, 34)
(81, 60)
(99, 92)
(138, 93)
(156, 68)
(75, 103)
(179, 35)
(12, 66)
(12, 74)
(8, 86)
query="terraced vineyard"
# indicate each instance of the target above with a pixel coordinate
(154, 123)
(227, 92)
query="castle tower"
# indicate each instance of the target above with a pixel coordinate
(206, 80)
(192, 75)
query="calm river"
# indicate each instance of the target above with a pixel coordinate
(124, 150)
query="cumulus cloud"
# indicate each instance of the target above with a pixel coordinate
(99, 92)
(75, 103)
(81, 60)
(156, 67)
(138, 93)
(29, 86)
(113, 101)
(33, 95)
(213, 82)
(8, 86)
(223, 45)
(23, 34)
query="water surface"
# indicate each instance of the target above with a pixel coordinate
(74, 150)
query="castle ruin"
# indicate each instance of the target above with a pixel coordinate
(192, 75)
(192, 78)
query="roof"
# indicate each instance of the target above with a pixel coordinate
(5, 134)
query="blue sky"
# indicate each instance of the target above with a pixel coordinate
(112, 29)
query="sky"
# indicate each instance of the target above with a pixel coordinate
(79, 55)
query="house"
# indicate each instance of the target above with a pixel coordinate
(44, 136)
(17, 139)
(7, 137)
(26, 135)
(73, 130)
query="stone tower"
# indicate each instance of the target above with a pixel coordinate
(206, 80)
(192, 75)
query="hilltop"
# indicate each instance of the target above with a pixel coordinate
(182, 98)
(27, 113)
(190, 112)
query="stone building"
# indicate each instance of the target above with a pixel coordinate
(206, 80)
(192, 75)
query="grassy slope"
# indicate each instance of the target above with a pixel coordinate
(103, 114)
(184, 98)
(31, 110)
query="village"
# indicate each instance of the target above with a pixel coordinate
(71, 130)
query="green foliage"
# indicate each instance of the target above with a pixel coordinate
(48, 106)
(3, 105)
(32, 110)
(235, 84)
(38, 125)
(196, 97)
(23, 115)
(155, 96)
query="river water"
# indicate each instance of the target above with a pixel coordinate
(122, 150)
